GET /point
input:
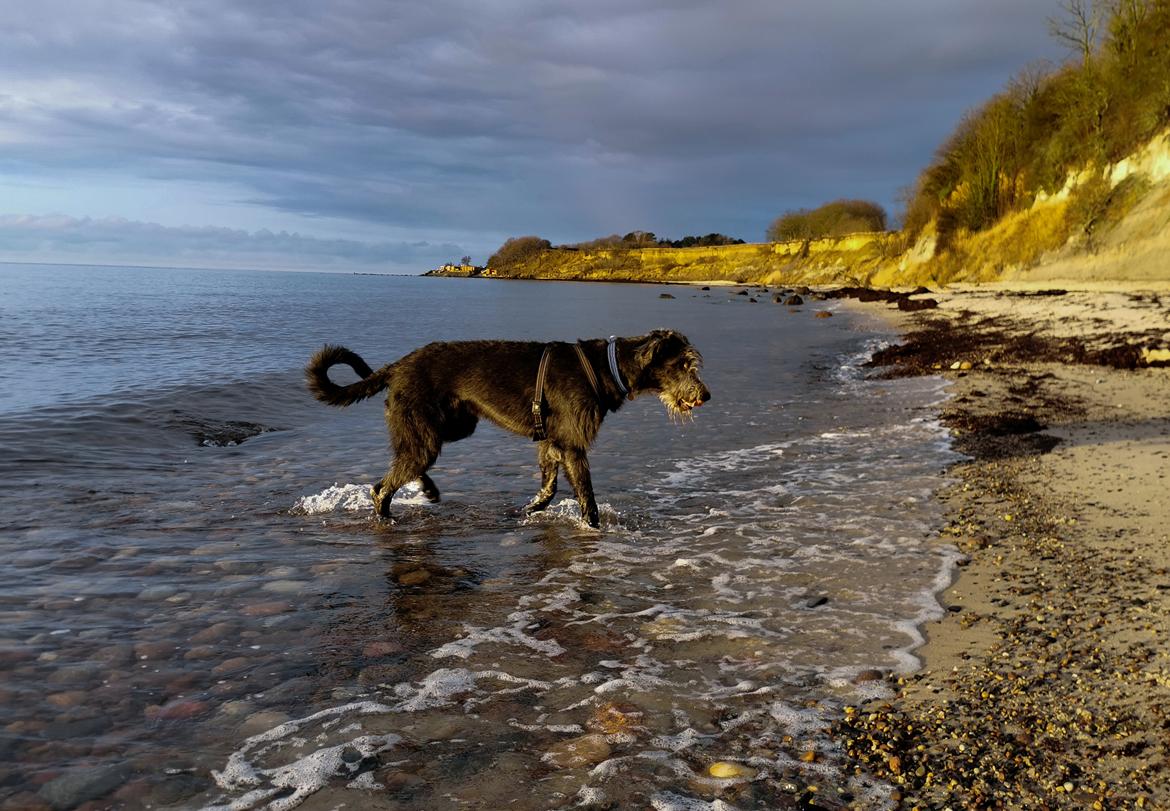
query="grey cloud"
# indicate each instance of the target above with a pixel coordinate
(561, 118)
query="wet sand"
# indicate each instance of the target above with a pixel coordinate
(1047, 684)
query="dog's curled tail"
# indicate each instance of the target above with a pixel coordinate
(325, 390)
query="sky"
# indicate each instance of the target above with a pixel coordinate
(384, 136)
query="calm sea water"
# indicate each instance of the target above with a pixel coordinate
(198, 609)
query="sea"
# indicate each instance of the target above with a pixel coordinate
(199, 609)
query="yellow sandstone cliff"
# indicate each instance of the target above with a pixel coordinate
(1109, 223)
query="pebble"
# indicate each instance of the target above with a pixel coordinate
(587, 750)
(437, 728)
(214, 633)
(868, 675)
(285, 586)
(180, 709)
(380, 648)
(236, 709)
(414, 578)
(262, 721)
(67, 699)
(824, 314)
(230, 665)
(201, 652)
(612, 718)
(160, 592)
(153, 651)
(76, 787)
(727, 769)
(266, 609)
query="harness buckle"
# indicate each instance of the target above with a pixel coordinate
(537, 421)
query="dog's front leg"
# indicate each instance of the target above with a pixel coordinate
(577, 470)
(549, 459)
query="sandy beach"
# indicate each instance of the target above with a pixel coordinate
(1047, 683)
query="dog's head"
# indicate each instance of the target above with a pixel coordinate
(669, 365)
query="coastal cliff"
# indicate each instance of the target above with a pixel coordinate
(1107, 223)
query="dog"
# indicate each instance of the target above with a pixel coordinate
(556, 394)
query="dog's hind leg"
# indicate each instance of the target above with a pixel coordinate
(549, 459)
(577, 471)
(411, 462)
(429, 488)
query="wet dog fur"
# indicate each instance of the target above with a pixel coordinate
(438, 394)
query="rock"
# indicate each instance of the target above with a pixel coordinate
(230, 665)
(266, 609)
(291, 691)
(793, 301)
(809, 756)
(67, 699)
(1155, 356)
(285, 586)
(161, 592)
(729, 770)
(201, 652)
(613, 717)
(816, 602)
(397, 781)
(914, 305)
(75, 674)
(180, 709)
(262, 721)
(802, 290)
(236, 709)
(380, 648)
(742, 293)
(778, 298)
(665, 295)
(575, 753)
(824, 314)
(214, 633)
(414, 578)
(868, 675)
(438, 728)
(82, 785)
(74, 729)
(177, 788)
(114, 656)
(704, 288)
(751, 301)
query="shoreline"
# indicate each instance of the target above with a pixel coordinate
(1045, 683)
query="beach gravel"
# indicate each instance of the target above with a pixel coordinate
(1050, 686)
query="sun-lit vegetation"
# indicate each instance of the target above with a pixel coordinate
(1112, 96)
(834, 219)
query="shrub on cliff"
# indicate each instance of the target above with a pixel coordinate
(834, 219)
(518, 250)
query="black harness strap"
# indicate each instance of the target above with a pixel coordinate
(538, 430)
(538, 397)
(588, 370)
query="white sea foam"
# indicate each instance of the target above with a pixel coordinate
(353, 498)
(302, 776)
(669, 801)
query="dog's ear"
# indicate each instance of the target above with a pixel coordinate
(652, 344)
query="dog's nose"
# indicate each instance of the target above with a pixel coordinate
(705, 396)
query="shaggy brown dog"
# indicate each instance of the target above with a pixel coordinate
(438, 393)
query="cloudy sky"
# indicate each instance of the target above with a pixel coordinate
(384, 135)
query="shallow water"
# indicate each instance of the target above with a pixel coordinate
(199, 609)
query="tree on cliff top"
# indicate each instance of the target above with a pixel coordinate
(518, 250)
(834, 219)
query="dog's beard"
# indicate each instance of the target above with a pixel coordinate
(678, 409)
